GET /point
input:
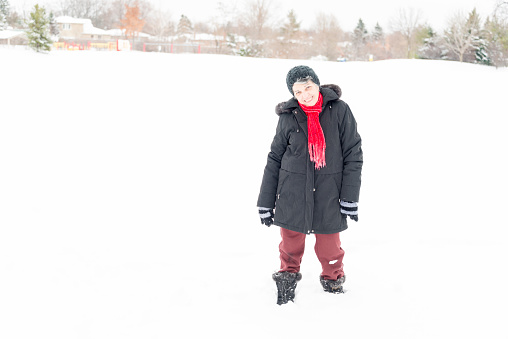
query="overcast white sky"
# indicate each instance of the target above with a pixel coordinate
(435, 12)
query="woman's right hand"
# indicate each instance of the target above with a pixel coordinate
(266, 215)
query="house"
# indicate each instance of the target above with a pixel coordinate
(80, 34)
(13, 37)
(80, 29)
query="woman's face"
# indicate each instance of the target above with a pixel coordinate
(307, 94)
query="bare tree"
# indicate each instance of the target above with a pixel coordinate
(95, 10)
(223, 25)
(225, 19)
(15, 20)
(255, 24)
(461, 33)
(407, 22)
(501, 9)
(396, 45)
(327, 34)
(160, 24)
(257, 18)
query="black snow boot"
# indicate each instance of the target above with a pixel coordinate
(333, 286)
(286, 285)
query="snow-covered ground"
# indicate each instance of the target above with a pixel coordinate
(128, 188)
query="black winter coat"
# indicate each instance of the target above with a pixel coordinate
(306, 200)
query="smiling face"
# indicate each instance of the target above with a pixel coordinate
(306, 93)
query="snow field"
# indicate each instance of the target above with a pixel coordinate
(129, 182)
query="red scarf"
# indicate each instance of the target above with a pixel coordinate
(317, 144)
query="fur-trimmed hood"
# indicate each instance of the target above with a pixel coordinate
(330, 92)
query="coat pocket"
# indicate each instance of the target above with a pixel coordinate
(283, 176)
(338, 182)
(290, 202)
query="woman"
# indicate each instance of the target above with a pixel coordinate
(311, 181)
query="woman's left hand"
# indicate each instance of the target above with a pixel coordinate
(349, 208)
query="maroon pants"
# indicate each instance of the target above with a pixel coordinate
(327, 248)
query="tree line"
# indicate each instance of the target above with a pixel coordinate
(254, 29)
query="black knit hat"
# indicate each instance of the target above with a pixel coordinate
(300, 72)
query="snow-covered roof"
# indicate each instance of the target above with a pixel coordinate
(115, 32)
(71, 20)
(90, 29)
(9, 34)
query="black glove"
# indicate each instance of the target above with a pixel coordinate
(348, 208)
(266, 215)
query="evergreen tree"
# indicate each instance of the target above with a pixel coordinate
(38, 30)
(360, 33)
(497, 41)
(292, 27)
(376, 46)
(184, 26)
(378, 34)
(3, 21)
(289, 45)
(53, 26)
(430, 46)
(481, 50)
(4, 14)
(477, 42)
(251, 49)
